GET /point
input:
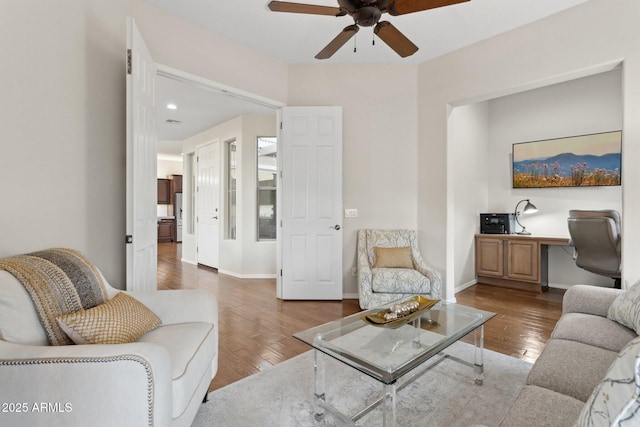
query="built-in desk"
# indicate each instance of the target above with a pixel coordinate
(515, 261)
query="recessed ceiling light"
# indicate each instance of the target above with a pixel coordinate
(172, 106)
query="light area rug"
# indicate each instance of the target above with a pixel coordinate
(282, 395)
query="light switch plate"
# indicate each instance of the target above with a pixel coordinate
(351, 213)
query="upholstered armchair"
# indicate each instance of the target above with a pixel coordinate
(158, 380)
(390, 268)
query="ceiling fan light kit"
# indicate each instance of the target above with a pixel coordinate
(366, 13)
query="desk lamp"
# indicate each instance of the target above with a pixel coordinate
(528, 208)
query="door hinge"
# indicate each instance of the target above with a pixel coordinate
(129, 66)
(280, 223)
(128, 239)
(280, 125)
(280, 272)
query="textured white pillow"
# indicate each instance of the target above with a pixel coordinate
(615, 401)
(625, 309)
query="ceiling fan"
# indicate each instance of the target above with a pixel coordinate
(366, 13)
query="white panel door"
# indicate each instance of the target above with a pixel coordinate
(310, 240)
(141, 222)
(208, 204)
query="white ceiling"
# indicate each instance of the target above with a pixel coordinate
(198, 108)
(296, 38)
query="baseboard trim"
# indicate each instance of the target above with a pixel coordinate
(248, 276)
(559, 286)
(464, 286)
(188, 261)
(350, 296)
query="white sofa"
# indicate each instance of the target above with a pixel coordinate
(160, 380)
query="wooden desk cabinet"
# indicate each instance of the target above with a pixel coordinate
(514, 261)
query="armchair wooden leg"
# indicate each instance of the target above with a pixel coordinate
(206, 397)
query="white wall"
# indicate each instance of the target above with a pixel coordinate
(587, 39)
(577, 107)
(379, 143)
(480, 142)
(469, 176)
(178, 44)
(62, 155)
(259, 257)
(167, 167)
(244, 256)
(63, 152)
(64, 120)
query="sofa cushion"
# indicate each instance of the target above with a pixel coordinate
(593, 330)
(120, 320)
(625, 309)
(398, 281)
(191, 348)
(538, 406)
(393, 257)
(571, 368)
(19, 322)
(615, 401)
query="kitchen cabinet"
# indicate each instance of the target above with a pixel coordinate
(165, 230)
(176, 183)
(164, 191)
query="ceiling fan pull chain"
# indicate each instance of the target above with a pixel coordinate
(373, 38)
(355, 43)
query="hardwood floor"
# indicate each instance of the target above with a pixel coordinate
(256, 328)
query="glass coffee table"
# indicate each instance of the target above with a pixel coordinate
(394, 356)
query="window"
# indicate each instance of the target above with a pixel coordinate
(231, 217)
(267, 171)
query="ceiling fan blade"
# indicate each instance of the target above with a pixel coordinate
(402, 7)
(395, 39)
(338, 42)
(311, 9)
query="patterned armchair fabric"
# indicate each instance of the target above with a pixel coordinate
(379, 286)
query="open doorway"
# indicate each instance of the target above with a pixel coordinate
(187, 108)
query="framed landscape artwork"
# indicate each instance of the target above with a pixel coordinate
(576, 161)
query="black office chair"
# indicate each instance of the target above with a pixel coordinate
(596, 238)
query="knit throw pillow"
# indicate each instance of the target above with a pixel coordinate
(120, 320)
